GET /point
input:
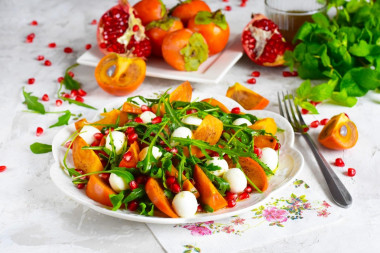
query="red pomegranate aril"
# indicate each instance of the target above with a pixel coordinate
(351, 172)
(133, 185)
(251, 81)
(339, 162)
(98, 136)
(68, 50)
(132, 137)
(278, 146)
(82, 93)
(314, 124)
(286, 73)
(228, 8)
(40, 58)
(104, 176)
(174, 150)
(60, 79)
(79, 99)
(167, 149)
(133, 205)
(304, 111)
(39, 131)
(141, 180)
(145, 108)
(73, 93)
(324, 121)
(199, 209)
(66, 95)
(31, 80)
(157, 120)
(235, 110)
(127, 156)
(68, 144)
(58, 102)
(231, 196)
(47, 63)
(94, 22)
(248, 189)
(80, 186)
(30, 37)
(243, 195)
(3, 168)
(191, 111)
(346, 115)
(231, 203)
(138, 120)
(243, 4)
(175, 188)
(294, 73)
(70, 73)
(305, 129)
(258, 152)
(314, 103)
(130, 130)
(52, 45)
(34, 23)
(255, 74)
(45, 97)
(135, 28)
(170, 180)
(96, 143)
(226, 1)
(88, 46)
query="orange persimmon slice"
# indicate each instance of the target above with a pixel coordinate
(214, 102)
(108, 118)
(135, 150)
(99, 191)
(131, 108)
(264, 141)
(339, 133)
(209, 194)
(157, 196)
(254, 172)
(85, 159)
(187, 185)
(247, 98)
(267, 124)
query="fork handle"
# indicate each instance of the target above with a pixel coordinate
(339, 193)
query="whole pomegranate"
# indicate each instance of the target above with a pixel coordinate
(263, 43)
(120, 31)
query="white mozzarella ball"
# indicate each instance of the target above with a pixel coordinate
(87, 133)
(236, 178)
(241, 121)
(220, 162)
(181, 132)
(118, 141)
(147, 116)
(192, 120)
(185, 204)
(117, 183)
(270, 157)
(155, 151)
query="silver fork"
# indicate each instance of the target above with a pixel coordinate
(290, 111)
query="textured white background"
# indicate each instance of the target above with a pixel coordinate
(36, 217)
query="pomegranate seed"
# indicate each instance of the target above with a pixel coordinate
(346, 115)
(294, 73)
(73, 93)
(60, 79)
(226, 1)
(231, 203)
(82, 93)
(31, 80)
(243, 195)
(135, 28)
(40, 58)
(251, 81)
(133, 185)
(170, 180)
(304, 111)
(47, 63)
(3, 168)
(324, 122)
(314, 124)
(30, 37)
(132, 137)
(104, 176)
(167, 149)
(243, 4)
(45, 97)
(305, 129)
(95, 143)
(255, 73)
(70, 73)
(339, 162)
(278, 146)
(128, 156)
(52, 45)
(199, 209)
(133, 205)
(248, 189)
(130, 130)
(286, 73)
(34, 23)
(174, 150)
(314, 103)
(39, 131)
(228, 8)
(88, 46)
(68, 50)
(175, 188)
(141, 180)
(145, 108)
(67, 144)
(80, 186)
(79, 99)
(191, 111)
(58, 102)
(235, 110)
(98, 136)
(214, 154)
(94, 22)
(138, 120)
(156, 120)
(65, 95)
(350, 172)
(162, 143)
(231, 196)
(258, 152)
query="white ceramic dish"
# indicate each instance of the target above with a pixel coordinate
(291, 162)
(211, 71)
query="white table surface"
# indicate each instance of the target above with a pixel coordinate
(36, 217)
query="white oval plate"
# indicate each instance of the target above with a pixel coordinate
(291, 162)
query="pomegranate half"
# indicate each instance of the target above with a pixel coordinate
(120, 31)
(263, 42)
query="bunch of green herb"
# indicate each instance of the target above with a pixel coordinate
(344, 50)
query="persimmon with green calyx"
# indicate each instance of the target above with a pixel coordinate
(150, 10)
(157, 30)
(339, 133)
(187, 9)
(184, 50)
(214, 28)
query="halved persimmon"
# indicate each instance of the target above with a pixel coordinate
(187, 9)
(339, 133)
(119, 75)
(247, 98)
(150, 10)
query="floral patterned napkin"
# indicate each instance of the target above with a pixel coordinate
(299, 207)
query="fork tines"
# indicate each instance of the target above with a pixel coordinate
(290, 111)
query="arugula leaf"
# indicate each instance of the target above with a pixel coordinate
(40, 148)
(146, 208)
(72, 101)
(137, 193)
(32, 102)
(63, 120)
(68, 81)
(116, 200)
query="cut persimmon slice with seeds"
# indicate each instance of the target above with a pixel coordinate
(247, 98)
(119, 75)
(339, 133)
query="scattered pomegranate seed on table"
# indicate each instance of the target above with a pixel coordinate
(52, 45)
(351, 172)
(79, 99)
(226, 1)
(304, 111)
(314, 124)
(88, 46)
(68, 50)
(324, 121)
(60, 79)
(71, 73)
(39, 131)
(314, 103)
(306, 129)
(45, 97)
(235, 110)
(243, 4)
(31, 80)
(286, 73)
(40, 58)
(94, 22)
(47, 63)
(82, 93)
(251, 81)
(339, 162)
(65, 95)
(228, 8)
(30, 37)
(34, 23)
(3, 168)
(58, 102)
(255, 74)
(73, 93)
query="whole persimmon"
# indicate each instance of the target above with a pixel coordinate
(214, 28)
(187, 9)
(150, 10)
(157, 30)
(184, 49)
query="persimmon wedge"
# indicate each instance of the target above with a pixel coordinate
(266, 124)
(254, 172)
(110, 117)
(85, 159)
(99, 191)
(247, 98)
(265, 141)
(134, 159)
(214, 102)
